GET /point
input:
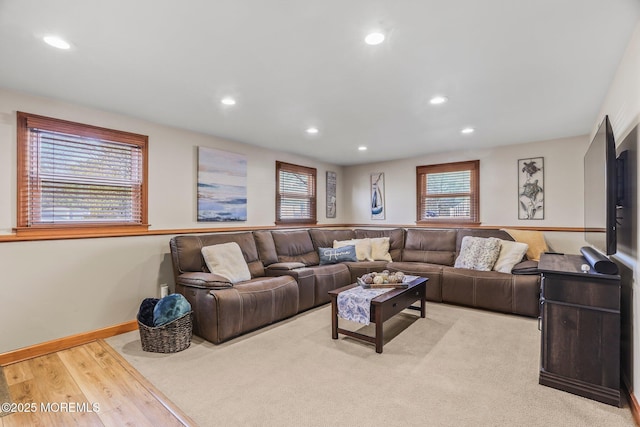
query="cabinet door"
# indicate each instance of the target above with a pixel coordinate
(581, 343)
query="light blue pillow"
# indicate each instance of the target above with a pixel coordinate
(170, 308)
(336, 255)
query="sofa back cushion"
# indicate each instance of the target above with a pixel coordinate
(295, 246)
(324, 238)
(396, 239)
(431, 246)
(187, 251)
(266, 247)
(480, 232)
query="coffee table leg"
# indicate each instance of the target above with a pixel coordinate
(334, 318)
(423, 302)
(379, 337)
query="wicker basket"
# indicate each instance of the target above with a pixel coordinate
(169, 338)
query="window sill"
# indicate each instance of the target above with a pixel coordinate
(448, 223)
(78, 232)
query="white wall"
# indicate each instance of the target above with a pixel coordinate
(58, 288)
(622, 104)
(563, 179)
(172, 166)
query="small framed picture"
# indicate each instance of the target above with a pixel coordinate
(531, 188)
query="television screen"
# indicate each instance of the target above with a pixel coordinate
(600, 190)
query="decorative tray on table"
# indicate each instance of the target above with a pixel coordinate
(384, 280)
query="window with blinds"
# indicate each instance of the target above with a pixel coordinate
(448, 192)
(295, 194)
(71, 174)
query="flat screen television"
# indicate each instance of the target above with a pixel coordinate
(600, 190)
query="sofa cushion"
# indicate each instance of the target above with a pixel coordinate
(527, 267)
(478, 253)
(363, 247)
(431, 246)
(324, 238)
(511, 253)
(186, 251)
(395, 235)
(295, 246)
(535, 240)
(380, 249)
(336, 255)
(422, 269)
(226, 260)
(203, 280)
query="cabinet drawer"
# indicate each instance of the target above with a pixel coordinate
(574, 290)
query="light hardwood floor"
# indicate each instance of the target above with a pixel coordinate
(87, 385)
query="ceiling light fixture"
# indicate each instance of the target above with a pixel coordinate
(439, 99)
(467, 130)
(362, 148)
(56, 42)
(228, 101)
(374, 38)
(312, 131)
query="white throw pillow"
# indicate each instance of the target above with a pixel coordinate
(363, 247)
(226, 260)
(511, 253)
(478, 253)
(380, 249)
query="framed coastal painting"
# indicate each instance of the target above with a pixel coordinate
(331, 194)
(222, 185)
(377, 196)
(531, 188)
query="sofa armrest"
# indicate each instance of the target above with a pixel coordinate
(286, 266)
(526, 268)
(203, 280)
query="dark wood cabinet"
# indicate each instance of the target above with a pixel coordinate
(580, 325)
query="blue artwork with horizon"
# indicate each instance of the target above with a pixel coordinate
(222, 185)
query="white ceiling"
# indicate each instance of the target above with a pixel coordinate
(516, 70)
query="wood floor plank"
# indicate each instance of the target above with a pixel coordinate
(166, 402)
(155, 411)
(26, 393)
(100, 387)
(88, 374)
(58, 388)
(17, 372)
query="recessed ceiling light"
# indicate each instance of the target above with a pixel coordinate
(362, 148)
(56, 42)
(228, 101)
(312, 131)
(438, 100)
(374, 38)
(467, 130)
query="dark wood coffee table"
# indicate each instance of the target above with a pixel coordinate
(383, 307)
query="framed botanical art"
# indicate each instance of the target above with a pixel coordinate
(222, 185)
(531, 188)
(377, 196)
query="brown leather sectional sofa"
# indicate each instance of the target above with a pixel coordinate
(287, 278)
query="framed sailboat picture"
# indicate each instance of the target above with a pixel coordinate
(377, 196)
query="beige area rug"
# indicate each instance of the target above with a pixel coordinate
(457, 367)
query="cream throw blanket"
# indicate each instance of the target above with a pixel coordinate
(535, 240)
(226, 260)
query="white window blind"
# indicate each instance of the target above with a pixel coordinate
(296, 193)
(448, 192)
(81, 175)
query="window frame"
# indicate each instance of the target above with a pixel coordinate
(290, 167)
(71, 230)
(473, 166)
